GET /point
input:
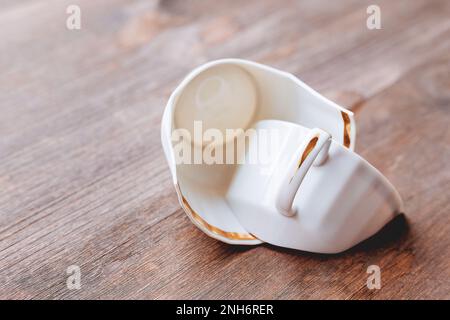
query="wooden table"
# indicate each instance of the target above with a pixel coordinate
(83, 179)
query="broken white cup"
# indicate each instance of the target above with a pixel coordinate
(237, 94)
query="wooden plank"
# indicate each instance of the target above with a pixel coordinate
(84, 181)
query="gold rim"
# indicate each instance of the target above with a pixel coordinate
(347, 126)
(226, 234)
(308, 150)
(311, 144)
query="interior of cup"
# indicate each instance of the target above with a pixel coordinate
(220, 98)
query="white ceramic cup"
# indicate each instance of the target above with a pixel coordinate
(313, 194)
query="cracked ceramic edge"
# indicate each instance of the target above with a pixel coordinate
(211, 230)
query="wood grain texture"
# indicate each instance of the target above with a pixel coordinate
(83, 179)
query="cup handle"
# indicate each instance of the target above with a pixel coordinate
(313, 150)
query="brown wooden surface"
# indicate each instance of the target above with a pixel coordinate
(83, 179)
